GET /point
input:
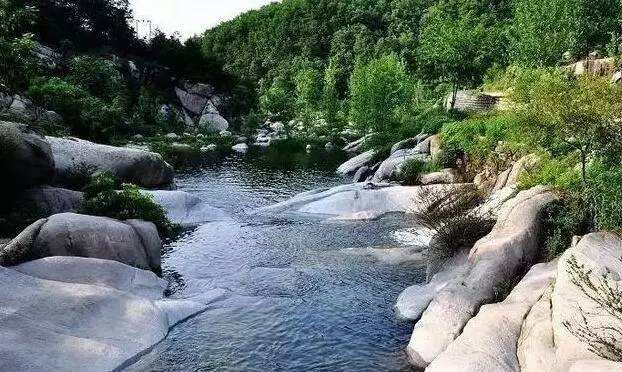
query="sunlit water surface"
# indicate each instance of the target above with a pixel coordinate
(299, 295)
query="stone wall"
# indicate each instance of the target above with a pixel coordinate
(473, 101)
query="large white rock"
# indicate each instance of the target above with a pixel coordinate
(444, 176)
(184, 208)
(361, 201)
(77, 314)
(240, 148)
(415, 299)
(591, 365)
(352, 165)
(599, 254)
(495, 259)
(212, 122)
(142, 168)
(536, 346)
(132, 242)
(488, 341)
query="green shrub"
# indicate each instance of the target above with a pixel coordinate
(605, 194)
(560, 173)
(477, 137)
(105, 196)
(99, 76)
(17, 63)
(413, 169)
(87, 116)
(379, 92)
(564, 219)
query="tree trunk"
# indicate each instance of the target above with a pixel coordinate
(454, 94)
(584, 167)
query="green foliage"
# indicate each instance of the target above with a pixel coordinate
(412, 170)
(566, 114)
(98, 76)
(477, 138)
(149, 118)
(277, 103)
(17, 63)
(87, 116)
(542, 31)
(564, 219)
(605, 193)
(560, 173)
(105, 196)
(460, 40)
(379, 90)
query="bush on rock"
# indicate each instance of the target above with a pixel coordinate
(106, 196)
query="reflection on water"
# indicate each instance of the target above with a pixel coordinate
(301, 294)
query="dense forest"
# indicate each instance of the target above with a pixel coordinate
(328, 54)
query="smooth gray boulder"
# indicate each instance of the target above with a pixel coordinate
(391, 167)
(599, 256)
(184, 208)
(142, 168)
(240, 148)
(212, 122)
(361, 201)
(49, 200)
(488, 341)
(495, 259)
(413, 301)
(79, 314)
(352, 165)
(444, 176)
(26, 156)
(361, 174)
(536, 346)
(98, 272)
(135, 243)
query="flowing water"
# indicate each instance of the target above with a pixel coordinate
(299, 294)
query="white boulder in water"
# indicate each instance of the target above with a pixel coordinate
(361, 201)
(352, 165)
(84, 314)
(184, 208)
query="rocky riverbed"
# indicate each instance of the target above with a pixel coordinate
(290, 267)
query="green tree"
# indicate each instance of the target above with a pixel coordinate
(566, 114)
(543, 31)
(378, 91)
(460, 40)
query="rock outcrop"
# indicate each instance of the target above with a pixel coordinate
(27, 156)
(84, 314)
(185, 209)
(48, 200)
(488, 341)
(201, 106)
(361, 201)
(444, 176)
(135, 243)
(145, 169)
(597, 257)
(495, 259)
(352, 165)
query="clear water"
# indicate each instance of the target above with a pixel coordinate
(299, 295)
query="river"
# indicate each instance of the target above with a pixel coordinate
(300, 294)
